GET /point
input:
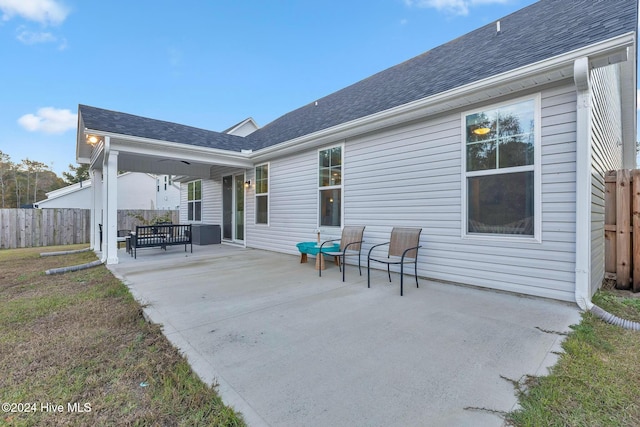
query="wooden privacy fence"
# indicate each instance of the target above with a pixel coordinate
(25, 228)
(622, 228)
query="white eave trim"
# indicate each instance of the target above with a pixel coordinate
(455, 98)
(150, 146)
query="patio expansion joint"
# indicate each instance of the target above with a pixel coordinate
(263, 308)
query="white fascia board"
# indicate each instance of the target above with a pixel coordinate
(542, 72)
(155, 147)
(68, 189)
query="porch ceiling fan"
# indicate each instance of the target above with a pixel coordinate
(174, 160)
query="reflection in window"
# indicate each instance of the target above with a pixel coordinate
(501, 138)
(501, 203)
(330, 183)
(262, 194)
(500, 198)
(194, 201)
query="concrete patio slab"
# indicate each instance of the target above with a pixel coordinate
(287, 348)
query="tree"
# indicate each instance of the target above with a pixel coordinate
(33, 167)
(15, 169)
(5, 166)
(77, 174)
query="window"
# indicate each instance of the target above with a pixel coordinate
(194, 201)
(262, 194)
(330, 186)
(500, 153)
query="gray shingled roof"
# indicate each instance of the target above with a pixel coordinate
(545, 29)
(127, 124)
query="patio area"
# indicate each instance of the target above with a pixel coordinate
(287, 347)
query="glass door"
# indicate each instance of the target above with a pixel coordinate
(239, 207)
(233, 208)
(227, 207)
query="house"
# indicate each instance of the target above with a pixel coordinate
(137, 191)
(495, 144)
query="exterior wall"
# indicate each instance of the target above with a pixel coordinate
(606, 155)
(411, 176)
(167, 193)
(211, 196)
(78, 199)
(135, 191)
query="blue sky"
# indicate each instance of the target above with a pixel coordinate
(208, 64)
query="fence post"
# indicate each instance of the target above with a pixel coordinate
(635, 191)
(610, 259)
(623, 229)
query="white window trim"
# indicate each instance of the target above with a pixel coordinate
(256, 195)
(191, 201)
(537, 174)
(329, 228)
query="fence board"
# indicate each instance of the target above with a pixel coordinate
(623, 230)
(610, 225)
(21, 228)
(635, 216)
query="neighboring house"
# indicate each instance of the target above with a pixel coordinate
(495, 144)
(167, 193)
(136, 191)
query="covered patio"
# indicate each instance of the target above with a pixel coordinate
(287, 347)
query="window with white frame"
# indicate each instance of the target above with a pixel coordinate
(330, 186)
(500, 145)
(262, 194)
(194, 201)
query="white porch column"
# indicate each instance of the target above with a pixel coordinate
(96, 208)
(110, 205)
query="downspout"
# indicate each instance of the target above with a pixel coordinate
(583, 199)
(583, 184)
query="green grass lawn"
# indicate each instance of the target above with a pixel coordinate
(75, 350)
(596, 382)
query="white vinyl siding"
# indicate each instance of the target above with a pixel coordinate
(411, 176)
(211, 204)
(606, 154)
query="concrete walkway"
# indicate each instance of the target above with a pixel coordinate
(287, 348)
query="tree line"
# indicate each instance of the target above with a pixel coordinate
(24, 183)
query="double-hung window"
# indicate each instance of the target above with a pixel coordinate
(330, 186)
(500, 151)
(262, 194)
(194, 200)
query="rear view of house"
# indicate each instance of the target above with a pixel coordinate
(495, 144)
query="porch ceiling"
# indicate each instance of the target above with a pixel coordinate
(161, 157)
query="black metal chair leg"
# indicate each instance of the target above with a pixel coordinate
(416, 272)
(368, 273)
(389, 271)
(401, 276)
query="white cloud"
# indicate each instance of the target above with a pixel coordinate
(49, 120)
(28, 37)
(42, 11)
(456, 7)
